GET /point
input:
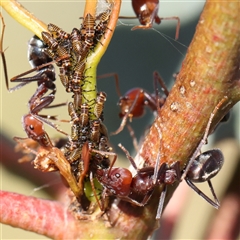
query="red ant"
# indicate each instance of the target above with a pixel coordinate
(201, 168)
(33, 122)
(132, 104)
(147, 13)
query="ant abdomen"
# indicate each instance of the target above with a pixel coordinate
(36, 54)
(206, 166)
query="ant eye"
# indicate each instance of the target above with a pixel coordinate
(31, 127)
(117, 175)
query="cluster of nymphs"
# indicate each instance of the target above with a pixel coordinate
(88, 148)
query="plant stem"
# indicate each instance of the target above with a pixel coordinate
(24, 17)
(89, 90)
(49, 218)
(208, 74)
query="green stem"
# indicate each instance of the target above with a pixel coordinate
(89, 89)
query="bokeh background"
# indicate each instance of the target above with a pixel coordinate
(133, 55)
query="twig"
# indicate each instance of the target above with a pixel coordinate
(24, 17)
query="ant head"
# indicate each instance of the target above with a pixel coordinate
(146, 11)
(32, 126)
(132, 103)
(118, 181)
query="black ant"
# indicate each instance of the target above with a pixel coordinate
(40, 62)
(121, 183)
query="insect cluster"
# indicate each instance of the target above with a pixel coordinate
(85, 156)
(86, 148)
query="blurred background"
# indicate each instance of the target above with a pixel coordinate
(133, 55)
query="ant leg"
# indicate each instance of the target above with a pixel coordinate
(34, 100)
(115, 75)
(161, 202)
(2, 53)
(126, 116)
(85, 157)
(50, 124)
(132, 134)
(94, 192)
(124, 17)
(178, 25)
(198, 191)
(54, 117)
(203, 141)
(32, 70)
(107, 153)
(157, 78)
(139, 204)
(213, 192)
(44, 102)
(147, 26)
(122, 125)
(25, 81)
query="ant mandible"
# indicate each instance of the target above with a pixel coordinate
(201, 168)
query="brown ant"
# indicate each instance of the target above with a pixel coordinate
(201, 168)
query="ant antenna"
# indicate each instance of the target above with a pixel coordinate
(115, 75)
(2, 51)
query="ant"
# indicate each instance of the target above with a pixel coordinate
(132, 104)
(147, 12)
(40, 61)
(200, 168)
